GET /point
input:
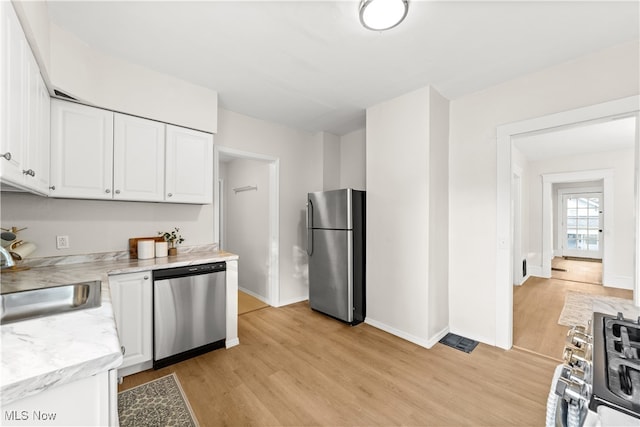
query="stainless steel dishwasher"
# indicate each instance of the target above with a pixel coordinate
(189, 312)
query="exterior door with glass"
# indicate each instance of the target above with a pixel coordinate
(582, 225)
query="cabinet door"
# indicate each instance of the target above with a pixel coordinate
(36, 166)
(86, 402)
(138, 159)
(12, 96)
(131, 299)
(81, 151)
(189, 166)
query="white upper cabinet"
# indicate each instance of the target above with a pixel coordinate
(99, 154)
(81, 151)
(189, 166)
(13, 96)
(138, 159)
(24, 102)
(36, 167)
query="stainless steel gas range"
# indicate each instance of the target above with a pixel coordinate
(599, 382)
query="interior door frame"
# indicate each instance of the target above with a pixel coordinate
(273, 275)
(606, 175)
(625, 107)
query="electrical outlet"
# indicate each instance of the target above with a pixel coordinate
(62, 242)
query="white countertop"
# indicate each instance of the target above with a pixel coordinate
(41, 353)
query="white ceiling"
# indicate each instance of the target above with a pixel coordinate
(587, 138)
(311, 66)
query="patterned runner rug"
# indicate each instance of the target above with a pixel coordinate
(158, 403)
(578, 307)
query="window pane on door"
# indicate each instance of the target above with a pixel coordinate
(583, 223)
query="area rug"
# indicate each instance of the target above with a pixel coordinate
(578, 307)
(158, 403)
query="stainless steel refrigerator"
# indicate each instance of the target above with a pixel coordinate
(336, 249)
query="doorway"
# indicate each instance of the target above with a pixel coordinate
(246, 216)
(581, 226)
(627, 107)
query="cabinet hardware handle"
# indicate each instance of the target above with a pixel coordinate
(170, 194)
(53, 187)
(6, 155)
(107, 191)
(146, 277)
(29, 172)
(123, 350)
(117, 191)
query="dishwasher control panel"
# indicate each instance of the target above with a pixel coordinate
(190, 270)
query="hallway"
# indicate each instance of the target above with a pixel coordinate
(537, 305)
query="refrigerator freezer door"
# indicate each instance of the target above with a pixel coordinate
(330, 210)
(330, 273)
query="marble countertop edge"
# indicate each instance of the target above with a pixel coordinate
(36, 384)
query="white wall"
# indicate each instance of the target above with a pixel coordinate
(601, 76)
(399, 216)
(438, 307)
(95, 226)
(620, 266)
(247, 223)
(521, 164)
(353, 160)
(330, 161)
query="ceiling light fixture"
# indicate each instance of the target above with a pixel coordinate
(381, 15)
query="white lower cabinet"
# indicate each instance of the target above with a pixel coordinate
(132, 306)
(90, 401)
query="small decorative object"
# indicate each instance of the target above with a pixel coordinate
(146, 249)
(173, 238)
(162, 249)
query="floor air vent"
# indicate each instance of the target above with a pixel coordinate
(459, 343)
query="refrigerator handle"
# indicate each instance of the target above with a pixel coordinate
(309, 230)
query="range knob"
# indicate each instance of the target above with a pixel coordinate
(574, 356)
(578, 338)
(572, 391)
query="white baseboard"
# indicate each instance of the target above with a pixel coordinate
(134, 369)
(621, 282)
(232, 343)
(253, 294)
(292, 300)
(524, 279)
(406, 336)
(536, 271)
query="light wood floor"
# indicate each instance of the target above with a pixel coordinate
(297, 367)
(537, 305)
(248, 303)
(577, 270)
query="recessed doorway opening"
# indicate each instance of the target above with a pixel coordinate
(246, 220)
(619, 109)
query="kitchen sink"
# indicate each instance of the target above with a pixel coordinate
(33, 303)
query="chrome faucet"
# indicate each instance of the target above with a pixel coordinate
(7, 258)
